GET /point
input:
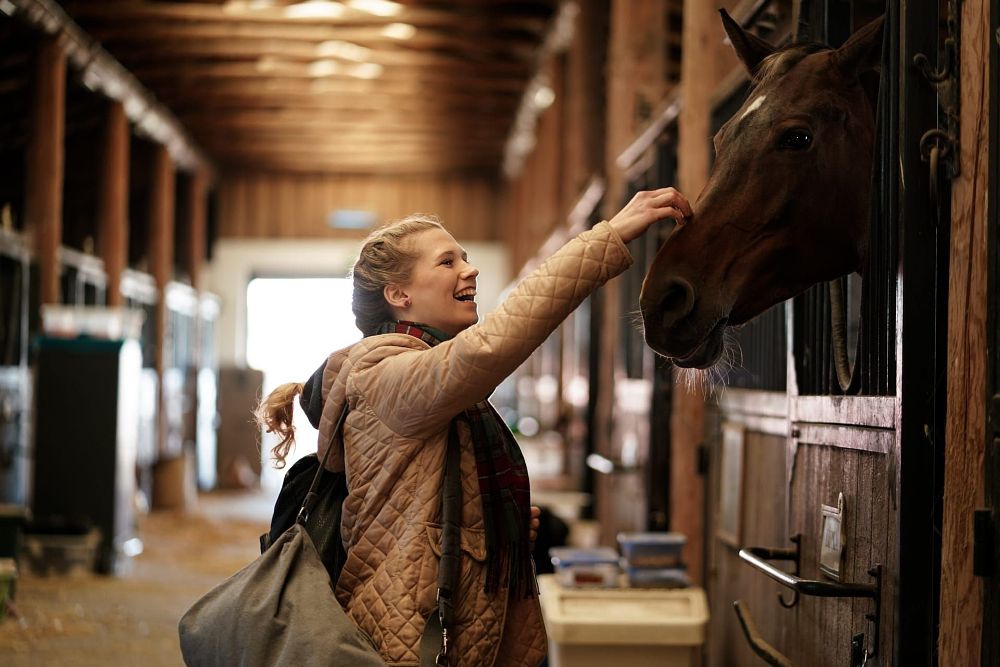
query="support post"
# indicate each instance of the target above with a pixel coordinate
(113, 204)
(45, 165)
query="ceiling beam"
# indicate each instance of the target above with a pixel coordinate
(136, 10)
(473, 43)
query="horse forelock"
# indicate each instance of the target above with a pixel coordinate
(781, 62)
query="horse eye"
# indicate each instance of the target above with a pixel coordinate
(796, 139)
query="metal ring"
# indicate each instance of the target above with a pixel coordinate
(932, 138)
(934, 185)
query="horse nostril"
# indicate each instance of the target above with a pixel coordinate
(677, 302)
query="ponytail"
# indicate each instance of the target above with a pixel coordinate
(274, 414)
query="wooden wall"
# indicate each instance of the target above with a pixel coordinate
(961, 592)
(288, 205)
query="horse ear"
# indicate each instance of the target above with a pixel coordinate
(751, 49)
(863, 51)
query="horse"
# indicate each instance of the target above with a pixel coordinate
(786, 205)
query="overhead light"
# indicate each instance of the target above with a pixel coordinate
(267, 64)
(336, 48)
(399, 31)
(320, 68)
(365, 70)
(314, 9)
(544, 97)
(237, 6)
(376, 7)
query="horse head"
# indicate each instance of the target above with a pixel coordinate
(786, 205)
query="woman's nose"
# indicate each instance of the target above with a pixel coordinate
(470, 272)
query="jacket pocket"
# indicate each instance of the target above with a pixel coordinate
(471, 541)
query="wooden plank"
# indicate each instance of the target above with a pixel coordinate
(959, 640)
(45, 161)
(113, 203)
(470, 40)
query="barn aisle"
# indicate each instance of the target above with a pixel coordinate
(132, 619)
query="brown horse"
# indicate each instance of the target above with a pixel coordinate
(786, 205)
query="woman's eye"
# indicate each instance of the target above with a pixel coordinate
(448, 262)
(796, 139)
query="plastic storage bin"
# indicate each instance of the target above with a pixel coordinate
(585, 567)
(654, 577)
(634, 627)
(652, 550)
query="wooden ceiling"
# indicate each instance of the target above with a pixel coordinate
(350, 87)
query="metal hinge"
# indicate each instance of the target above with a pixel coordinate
(983, 564)
(940, 146)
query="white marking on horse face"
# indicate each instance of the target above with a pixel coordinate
(756, 104)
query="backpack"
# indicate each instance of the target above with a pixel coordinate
(323, 523)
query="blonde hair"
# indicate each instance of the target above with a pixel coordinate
(274, 414)
(386, 258)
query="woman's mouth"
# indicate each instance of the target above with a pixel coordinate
(466, 295)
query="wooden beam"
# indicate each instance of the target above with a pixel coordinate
(961, 613)
(415, 79)
(353, 164)
(102, 72)
(197, 201)
(134, 11)
(45, 163)
(181, 89)
(160, 252)
(212, 100)
(519, 47)
(389, 120)
(132, 53)
(113, 203)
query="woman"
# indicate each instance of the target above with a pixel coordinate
(425, 361)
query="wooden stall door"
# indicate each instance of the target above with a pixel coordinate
(872, 451)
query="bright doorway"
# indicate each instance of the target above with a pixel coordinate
(293, 324)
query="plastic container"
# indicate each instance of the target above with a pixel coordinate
(653, 577)
(585, 567)
(653, 550)
(62, 554)
(627, 626)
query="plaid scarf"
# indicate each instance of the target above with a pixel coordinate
(503, 484)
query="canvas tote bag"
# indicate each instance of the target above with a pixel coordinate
(281, 608)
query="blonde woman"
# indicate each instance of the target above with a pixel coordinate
(426, 360)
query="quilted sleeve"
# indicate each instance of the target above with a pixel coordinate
(415, 392)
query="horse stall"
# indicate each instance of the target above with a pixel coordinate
(824, 519)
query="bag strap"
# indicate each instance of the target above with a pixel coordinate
(310, 498)
(434, 641)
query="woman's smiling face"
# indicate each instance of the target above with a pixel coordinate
(441, 291)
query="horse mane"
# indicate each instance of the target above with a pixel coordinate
(780, 62)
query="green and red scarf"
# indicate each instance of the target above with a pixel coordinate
(503, 484)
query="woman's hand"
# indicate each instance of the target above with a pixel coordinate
(533, 526)
(648, 207)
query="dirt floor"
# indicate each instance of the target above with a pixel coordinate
(132, 619)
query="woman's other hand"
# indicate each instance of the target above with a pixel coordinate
(648, 207)
(533, 525)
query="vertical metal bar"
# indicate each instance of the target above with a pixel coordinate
(914, 106)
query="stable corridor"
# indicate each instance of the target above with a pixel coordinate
(87, 619)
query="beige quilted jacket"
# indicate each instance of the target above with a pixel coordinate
(402, 396)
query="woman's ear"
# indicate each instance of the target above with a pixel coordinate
(396, 296)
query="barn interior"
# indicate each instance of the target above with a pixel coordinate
(184, 188)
